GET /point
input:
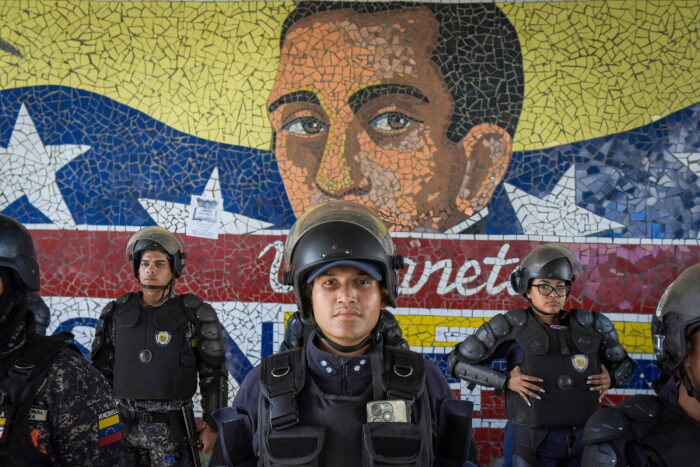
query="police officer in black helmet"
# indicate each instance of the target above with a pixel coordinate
(662, 430)
(55, 409)
(559, 362)
(152, 345)
(344, 398)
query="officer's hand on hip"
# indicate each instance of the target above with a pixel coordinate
(207, 438)
(600, 382)
(524, 384)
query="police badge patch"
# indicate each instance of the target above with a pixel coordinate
(580, 362)
(163, 338)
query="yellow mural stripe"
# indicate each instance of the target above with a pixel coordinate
(596, 68)
(206, 68)
(420, 331)
(203, 68)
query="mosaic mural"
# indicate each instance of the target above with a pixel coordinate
(477, 130)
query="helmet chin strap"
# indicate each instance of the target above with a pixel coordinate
(373, 338)
(692, 392)
(542, 312)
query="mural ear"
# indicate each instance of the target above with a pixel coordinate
(487, 148)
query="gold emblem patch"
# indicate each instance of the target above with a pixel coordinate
(580, 362)
(163, 338)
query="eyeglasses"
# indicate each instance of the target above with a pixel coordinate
(546, 290)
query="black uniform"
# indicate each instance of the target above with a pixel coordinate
(643, 431)
(61, 412)
(152, 356)
(563, 355)
(317, 412)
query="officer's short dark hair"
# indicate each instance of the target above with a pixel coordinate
(478, 54)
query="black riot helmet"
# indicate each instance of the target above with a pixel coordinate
(155, 239)
(338, 231)
(550, 261)
(677, 317)
(17, 252)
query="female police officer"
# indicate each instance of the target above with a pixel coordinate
(558, 361)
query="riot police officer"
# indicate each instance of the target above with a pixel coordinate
(55, 409)
(151, 345)
(344, 398)
(559, 362)
(661, 430)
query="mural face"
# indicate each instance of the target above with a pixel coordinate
(366, 120)
(478, 130)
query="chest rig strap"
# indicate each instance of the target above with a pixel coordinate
(404, 374)
(36, 357)
(282, 378)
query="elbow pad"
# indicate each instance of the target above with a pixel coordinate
(476, 374)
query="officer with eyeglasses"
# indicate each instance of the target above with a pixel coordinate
(559, 363)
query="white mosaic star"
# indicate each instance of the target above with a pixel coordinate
(29, 169)
(173, 216)
(557, 213)
(690, 160)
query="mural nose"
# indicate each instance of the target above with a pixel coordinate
(340, 172)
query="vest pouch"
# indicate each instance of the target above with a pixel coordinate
(295, 446)
(391, 443)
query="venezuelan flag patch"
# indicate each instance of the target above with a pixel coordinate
(110, 427)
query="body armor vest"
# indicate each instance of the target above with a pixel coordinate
(152, 358)
(333, 430)
(20, 384)
(564, 358)
(673, 440)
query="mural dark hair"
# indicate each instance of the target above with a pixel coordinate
(478, 53)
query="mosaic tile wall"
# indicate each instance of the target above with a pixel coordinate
(478, 131)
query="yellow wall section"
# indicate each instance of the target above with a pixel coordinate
(597, 68)
(419, 331)
(205, 68)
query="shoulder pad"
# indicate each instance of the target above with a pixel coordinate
(604, 425)
(191, 301)
(124, 298)
(500, 325)
(491, 331)
(517, 317)
(642, 408)
(471, 349)
(107, 310)
(205, 313)
(603, 324)
(584, 317)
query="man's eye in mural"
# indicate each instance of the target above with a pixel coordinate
(392, 121)
(305, 126)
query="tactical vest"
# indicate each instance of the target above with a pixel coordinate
(20, 385)
(563, 358)
(152, 358)
(302, 426)
(673, 439)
